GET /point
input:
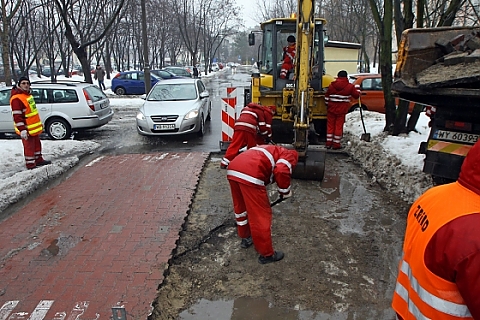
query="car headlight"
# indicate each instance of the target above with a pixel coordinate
(191, 114)
(140, 116)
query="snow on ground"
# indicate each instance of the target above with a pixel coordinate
(391, 161)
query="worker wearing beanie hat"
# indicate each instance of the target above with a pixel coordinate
(288, 57)
(27, 123)
(337, 99)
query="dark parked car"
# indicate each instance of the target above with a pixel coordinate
(179, 71)
(131, 82)
(164, 74)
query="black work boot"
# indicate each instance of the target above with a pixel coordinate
(43, 163)
(246, 242)
(277, 256)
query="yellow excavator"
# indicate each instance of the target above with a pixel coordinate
(299, 99)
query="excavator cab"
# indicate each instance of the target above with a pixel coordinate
(301, 113)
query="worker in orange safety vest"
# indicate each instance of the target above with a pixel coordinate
(27, 123)
(253, 127)
(439, 273)
(248, 175)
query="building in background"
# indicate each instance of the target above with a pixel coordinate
(341, 56)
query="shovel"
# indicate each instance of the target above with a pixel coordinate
(365, 136)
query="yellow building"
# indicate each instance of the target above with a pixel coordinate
(341, 56)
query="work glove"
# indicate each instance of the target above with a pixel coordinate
(24, 134)
(286, 196)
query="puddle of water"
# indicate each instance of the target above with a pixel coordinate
(245, 308)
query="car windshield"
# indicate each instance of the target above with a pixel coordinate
(163, 74)
(173, 92)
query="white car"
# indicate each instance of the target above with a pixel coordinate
(63, 106)
(214, 67)
(175, 106)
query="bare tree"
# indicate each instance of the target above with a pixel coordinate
(8, 10)
(85, 25)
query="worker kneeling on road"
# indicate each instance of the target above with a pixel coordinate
(439, 274)
(253, 126)
(248, 175)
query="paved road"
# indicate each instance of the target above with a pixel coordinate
(100, 239)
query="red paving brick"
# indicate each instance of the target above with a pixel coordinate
(98, 240)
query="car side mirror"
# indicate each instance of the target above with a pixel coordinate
(143, 96)
(204, 94)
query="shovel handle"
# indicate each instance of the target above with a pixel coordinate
(361, 114)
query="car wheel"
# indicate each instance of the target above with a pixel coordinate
(58, 129)
(120, 91)
(201, 132)
(209, 116)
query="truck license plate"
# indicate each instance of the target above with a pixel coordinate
(163, 126)
(469, 138)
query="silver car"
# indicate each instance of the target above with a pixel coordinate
(63, 107)
(175, 106)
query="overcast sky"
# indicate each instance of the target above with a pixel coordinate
(248, 12)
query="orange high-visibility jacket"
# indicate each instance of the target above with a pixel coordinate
(420, 294)
(29, 114)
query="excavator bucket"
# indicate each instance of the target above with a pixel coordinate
(311, 166)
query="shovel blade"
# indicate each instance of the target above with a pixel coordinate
(365, 137)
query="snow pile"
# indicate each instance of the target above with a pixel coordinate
(391, 161)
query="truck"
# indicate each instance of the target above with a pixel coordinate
(441, 67)
(301, 113)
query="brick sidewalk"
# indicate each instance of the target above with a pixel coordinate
(100, 239)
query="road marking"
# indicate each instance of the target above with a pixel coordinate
(41, 310)
(7, 308)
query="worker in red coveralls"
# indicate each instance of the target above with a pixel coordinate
(253, 127)
(248, 175)
(27, 123)
(288, 57)
(337, 99)
(439, 271)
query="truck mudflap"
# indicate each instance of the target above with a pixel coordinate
(444, 159)
(312, 165)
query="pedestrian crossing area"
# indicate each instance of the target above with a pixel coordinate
(10, 311)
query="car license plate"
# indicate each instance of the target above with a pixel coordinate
(456, 136)
(163, 126)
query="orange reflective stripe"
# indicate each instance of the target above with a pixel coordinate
(448, 147)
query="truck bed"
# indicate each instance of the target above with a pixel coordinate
(439, 66)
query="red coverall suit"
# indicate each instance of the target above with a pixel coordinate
(25, 117)
(337, 99)
(254, 120)
(288, 59)
(248, 174)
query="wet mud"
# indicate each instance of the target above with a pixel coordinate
(342, 240)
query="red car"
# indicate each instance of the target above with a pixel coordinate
(372, 97)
